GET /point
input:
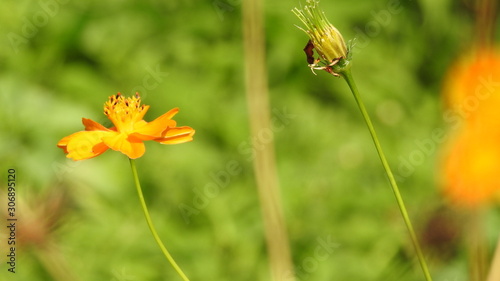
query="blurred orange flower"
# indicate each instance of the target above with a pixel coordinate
(472, 166)
(472, 85)
(129, 132)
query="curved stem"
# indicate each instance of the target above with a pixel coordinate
(150, 222)
(346, 73)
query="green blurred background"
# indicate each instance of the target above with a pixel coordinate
(61, 60)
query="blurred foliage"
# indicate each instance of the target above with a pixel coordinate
(60, 60)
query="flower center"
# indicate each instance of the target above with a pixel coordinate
(124, 112)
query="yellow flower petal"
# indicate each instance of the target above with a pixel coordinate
(63, 143)
(155, 128)
(91, 125)
(177, 135)
(81, 145)
(121, 142)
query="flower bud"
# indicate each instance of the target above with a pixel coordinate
(325, 38)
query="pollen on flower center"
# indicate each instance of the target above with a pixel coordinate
(124, 112)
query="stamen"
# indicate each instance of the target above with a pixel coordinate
(124, 112)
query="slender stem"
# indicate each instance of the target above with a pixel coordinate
(150, 222)
(476, 242)
(264, 161)
(346, 73)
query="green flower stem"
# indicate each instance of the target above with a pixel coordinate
(150, 222)
(346, 74)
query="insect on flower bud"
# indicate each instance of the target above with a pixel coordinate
(324, 37)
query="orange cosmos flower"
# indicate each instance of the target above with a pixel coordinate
(128, 134)
(472, 165)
